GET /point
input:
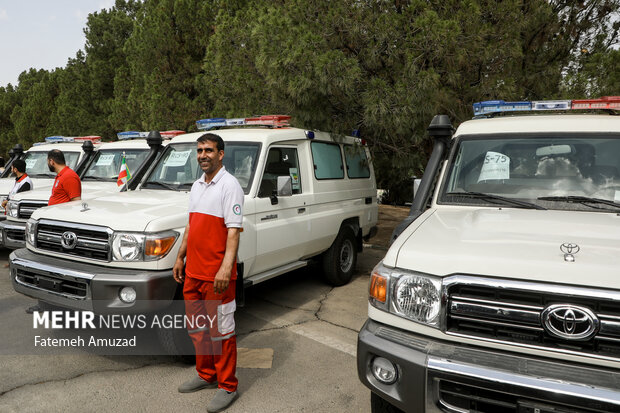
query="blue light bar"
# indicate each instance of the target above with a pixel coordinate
(206, 124)
(52, 139)
(494, 106)
(131, 135)
(551, 105)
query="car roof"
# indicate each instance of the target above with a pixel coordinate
(63, 146)
(540, 123)
(263, 135)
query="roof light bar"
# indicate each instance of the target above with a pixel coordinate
(58, 138)
(494, 106)
(92, 138)
(171, 133)
(606, 102)
(131, 135)
(497, 106)
(551, 104)
(265, 120)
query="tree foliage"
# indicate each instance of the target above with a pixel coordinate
(384, 67)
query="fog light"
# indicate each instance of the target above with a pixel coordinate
(384, 370)
(128, 295)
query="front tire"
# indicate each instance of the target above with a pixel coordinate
(340, 259)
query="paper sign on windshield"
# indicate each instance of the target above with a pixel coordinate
(495, 166)
(105, 159)
(30, 163)
(177, 158)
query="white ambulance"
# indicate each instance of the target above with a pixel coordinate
(308, 194)
(501, 292)
(99, 177)
(77, 150)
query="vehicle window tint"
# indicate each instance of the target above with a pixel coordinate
(327, 160)
(357, 162)
(280, 162)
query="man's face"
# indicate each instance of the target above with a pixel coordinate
(50, 166)
(209, 158)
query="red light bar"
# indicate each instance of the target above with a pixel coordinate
(92, 138)
(269, 120)
(606, 102)
(171, 133)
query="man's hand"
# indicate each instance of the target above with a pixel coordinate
(221, 281)
(177, 271)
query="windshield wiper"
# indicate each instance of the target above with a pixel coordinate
(585, 200)
(43, 175)
(497, 199)
(165, 185)
(97, 178)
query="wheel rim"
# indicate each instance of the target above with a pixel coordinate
(346, 256)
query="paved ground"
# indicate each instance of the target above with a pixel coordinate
(297, 338)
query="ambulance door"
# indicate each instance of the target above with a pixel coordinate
(281, 227)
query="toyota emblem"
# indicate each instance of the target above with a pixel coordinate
(68, 240)
(570, 322)
(568, 248)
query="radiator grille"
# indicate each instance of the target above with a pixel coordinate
(516, 316)
(92, 242)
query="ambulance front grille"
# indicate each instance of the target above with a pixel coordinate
(27, 208)
(85, 241)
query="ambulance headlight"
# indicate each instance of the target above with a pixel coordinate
(418, 298)
(127, 247)
(131, 246)
(31, 228)
(11, 208)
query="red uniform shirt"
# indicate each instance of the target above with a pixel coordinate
(67, 185)
(213, 208)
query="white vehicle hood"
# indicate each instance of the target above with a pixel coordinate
(90, 190)
(514, 243)
(123, 211)
(6, 184)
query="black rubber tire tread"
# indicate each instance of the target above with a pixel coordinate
(331, 259)
(378, 405)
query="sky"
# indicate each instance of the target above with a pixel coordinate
(41, 34)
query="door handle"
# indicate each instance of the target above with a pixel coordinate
(301, 210)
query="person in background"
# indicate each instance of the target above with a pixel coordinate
(22, 180)
(67, 185)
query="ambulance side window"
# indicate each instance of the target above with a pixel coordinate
(280, 162)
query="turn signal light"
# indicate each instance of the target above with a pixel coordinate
(158, 246)
(378, 287)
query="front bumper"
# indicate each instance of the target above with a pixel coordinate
(437, 376)
(13, 234)
(89, 287)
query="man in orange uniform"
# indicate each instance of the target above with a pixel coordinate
(67, 185)
(210, 246)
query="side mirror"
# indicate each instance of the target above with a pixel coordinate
(285, 186)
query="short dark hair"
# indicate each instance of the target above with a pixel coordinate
(219, 142)
(57, 156)
(20, 165)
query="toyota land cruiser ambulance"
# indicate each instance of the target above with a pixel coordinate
(99, 177)
(76, 152)
(502, 291)
(307, 194)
